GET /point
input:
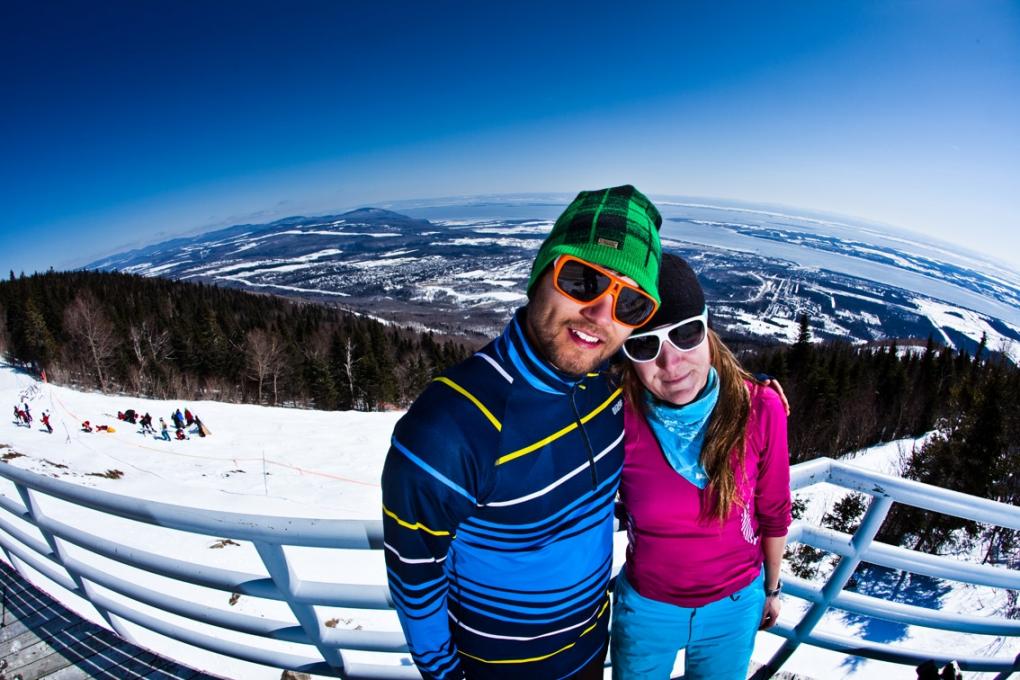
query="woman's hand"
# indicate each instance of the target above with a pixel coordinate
(771, 613)
(769, 381)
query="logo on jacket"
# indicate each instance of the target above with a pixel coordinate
(746, 529)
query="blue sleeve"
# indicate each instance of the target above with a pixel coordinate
(430, 484)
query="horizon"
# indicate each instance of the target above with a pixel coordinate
(667, 201)
(140, 123)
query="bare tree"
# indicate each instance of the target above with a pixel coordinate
(148, 346)
(140, 376)
(316, 347)
(92, 333)
(264, 354)
(348, 365)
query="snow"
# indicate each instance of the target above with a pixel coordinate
(454, 223)
(786, 330)
(135, 268)
(296, 289)
(887, 255)
(256, 266)
(245, 246)
(541, 228)
(381, 262)
(277, 265)
(307, 232)
(205, 270)
(432, 292)
(500, 275)
(847, 294)
(303, 463)
(153, 271)
(531, 244)
(969, 323)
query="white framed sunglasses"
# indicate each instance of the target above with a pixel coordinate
(685, 336)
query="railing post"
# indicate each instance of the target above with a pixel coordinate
(863, 537)
(1005, 674)
(35, 513)
(275, 560)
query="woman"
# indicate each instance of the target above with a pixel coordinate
(706, 492)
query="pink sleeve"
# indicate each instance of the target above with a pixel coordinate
(772, 501)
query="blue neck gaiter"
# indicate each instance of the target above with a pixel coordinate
(680, 430)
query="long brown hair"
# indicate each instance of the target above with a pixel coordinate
(725, 441)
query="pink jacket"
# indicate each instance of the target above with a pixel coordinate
(673, 554)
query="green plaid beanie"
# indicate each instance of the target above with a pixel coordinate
(616, 228)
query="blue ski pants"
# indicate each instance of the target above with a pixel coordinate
(719, 636)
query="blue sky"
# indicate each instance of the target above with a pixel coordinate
(124, 123)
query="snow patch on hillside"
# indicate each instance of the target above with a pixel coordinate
(968, 323)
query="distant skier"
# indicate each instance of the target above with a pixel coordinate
(146, 423)
(22, 418)
(46, 421)
(188, 418)
(164, 429)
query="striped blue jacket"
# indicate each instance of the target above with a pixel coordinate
(498, 496)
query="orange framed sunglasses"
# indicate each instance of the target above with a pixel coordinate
(585, 283)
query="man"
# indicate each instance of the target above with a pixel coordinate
(498, 487)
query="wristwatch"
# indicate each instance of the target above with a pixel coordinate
(773, 592)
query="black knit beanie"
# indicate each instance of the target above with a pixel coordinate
(681, 293)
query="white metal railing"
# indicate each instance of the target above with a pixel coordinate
(50, 554)
(885, 490)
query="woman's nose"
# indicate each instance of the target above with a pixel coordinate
(669, 355)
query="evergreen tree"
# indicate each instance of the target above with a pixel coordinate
(927, 393)
(319, 379)
(846, 514)
(37, 344)
(800, 354)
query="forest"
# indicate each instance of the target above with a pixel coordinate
(165, 339)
